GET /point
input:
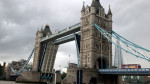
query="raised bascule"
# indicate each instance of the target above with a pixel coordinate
(93, 37)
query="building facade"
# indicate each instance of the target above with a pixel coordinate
(95, 50)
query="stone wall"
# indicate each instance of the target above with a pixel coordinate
(29, 76)
(37, 47)
(87, 75)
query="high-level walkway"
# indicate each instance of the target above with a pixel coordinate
(63, 33)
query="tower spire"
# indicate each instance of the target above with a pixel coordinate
(109, 11)
(83, 8)
(96, 4)
(97, 0)
(93, 4)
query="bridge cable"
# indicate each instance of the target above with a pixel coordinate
(101, 52)
(77, 49)
(27, 61)
(129, 42)
(101, 31)
(116, 37)
(109, 53)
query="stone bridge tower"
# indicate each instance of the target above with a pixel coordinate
(44, 64)
(96, 51)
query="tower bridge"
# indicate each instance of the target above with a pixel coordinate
(94, 50)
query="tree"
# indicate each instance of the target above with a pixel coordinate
(63, 75)
(1, 70)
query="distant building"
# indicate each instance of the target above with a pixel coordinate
(133, 79)
(72, 65)
(118, 61)
(136, 79)
(17, 65)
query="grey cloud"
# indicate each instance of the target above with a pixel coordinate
(20, 19)
(131, 20)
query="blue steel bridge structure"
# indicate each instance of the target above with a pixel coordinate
(73, 33)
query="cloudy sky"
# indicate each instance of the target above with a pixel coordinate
(20, 19)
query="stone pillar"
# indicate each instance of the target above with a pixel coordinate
(37, 56)
(58, 77)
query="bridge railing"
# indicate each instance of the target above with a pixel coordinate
(142, 69)
(125, 71)
(71, 27)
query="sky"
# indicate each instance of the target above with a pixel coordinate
(20, 20)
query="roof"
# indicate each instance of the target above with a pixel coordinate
(96, 4)
(47, 31)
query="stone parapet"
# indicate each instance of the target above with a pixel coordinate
(87, 75)
(29, 76)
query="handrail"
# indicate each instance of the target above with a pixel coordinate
(128, 71)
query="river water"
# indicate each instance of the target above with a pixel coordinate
(13, 82)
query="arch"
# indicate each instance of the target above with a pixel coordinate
(101, 63)
(93, 80)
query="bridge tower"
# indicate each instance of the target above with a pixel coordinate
(95, 50)
(45, 52)
(37, 47)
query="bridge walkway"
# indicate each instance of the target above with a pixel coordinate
(142, 71)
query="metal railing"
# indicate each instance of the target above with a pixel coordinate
(125, 71)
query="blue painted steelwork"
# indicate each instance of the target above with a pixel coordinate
(126, 43)
(130, 42)
(142, 71)
(79, 76)
(12, 69)
(65, 39)
(18, 72)
(41, 62)
(46, 76)
(26, 61)
(102, 30)
(77, 40)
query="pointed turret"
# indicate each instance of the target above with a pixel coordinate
(42, 29)
(109, 11)
(93, 7)
(47, 31)
(93, 4)
(83, 8)
(37, 31)
(96, 4)
(109, 14)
